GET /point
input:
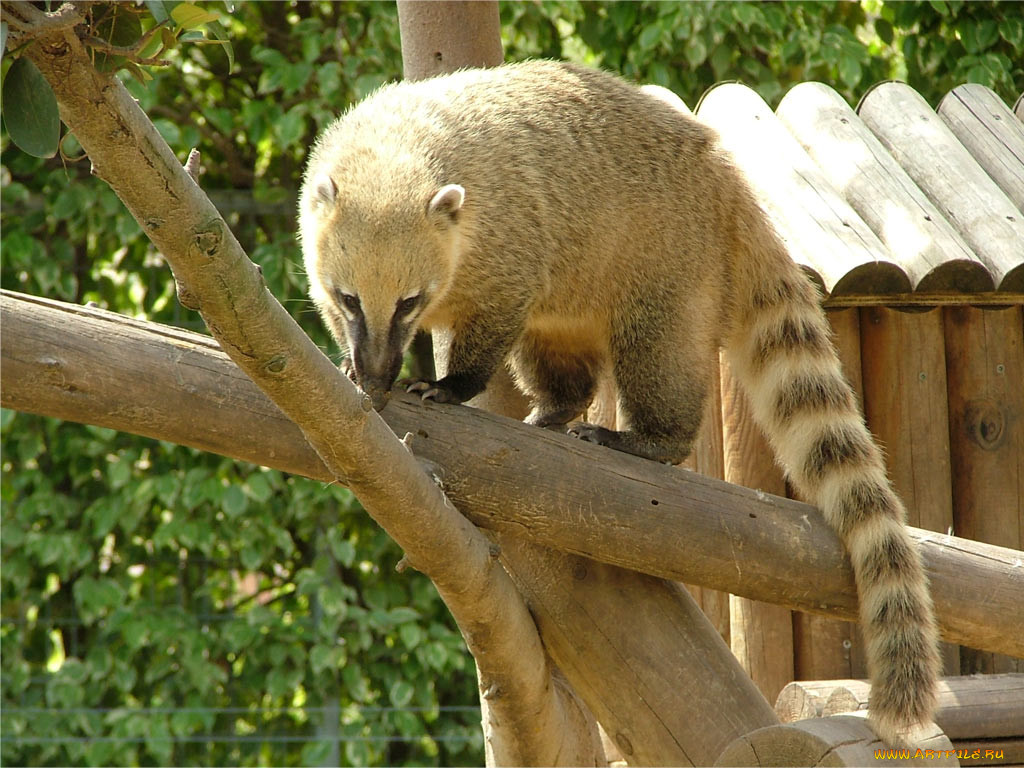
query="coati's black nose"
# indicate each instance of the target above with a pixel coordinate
(378, 397)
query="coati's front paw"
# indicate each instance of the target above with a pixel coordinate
(592, 433)
(431, 390)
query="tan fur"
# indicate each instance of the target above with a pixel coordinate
(592, 225)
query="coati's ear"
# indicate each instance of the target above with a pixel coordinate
(444, 207)
(324, 190)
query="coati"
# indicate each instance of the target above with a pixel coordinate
(558, 220)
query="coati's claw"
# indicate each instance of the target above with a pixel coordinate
(428, 390)
(348, 368)
(592, 433)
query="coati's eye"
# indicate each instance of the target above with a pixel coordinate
(405, 306)
(348, 301)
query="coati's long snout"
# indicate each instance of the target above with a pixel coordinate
(376, 368)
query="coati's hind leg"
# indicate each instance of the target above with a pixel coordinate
(662, 379)
(559, 384)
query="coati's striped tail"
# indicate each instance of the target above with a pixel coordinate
(782, 354)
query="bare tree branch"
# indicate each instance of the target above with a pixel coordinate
(355, 445)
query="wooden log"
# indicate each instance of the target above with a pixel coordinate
(709, 461)
(974, 707)
(820, 229)
(990, 752)
(667, 638)
(933, 254)
(96, 367)
(904, 367)
(925, 300)
(803, 699)
(985, 368)
(945, 171)
(831, 741)
(444, 36)
(761, 634)
(991, 133)
(823, 647)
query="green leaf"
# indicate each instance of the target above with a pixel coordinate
(435, 655)
(292, 125)
(401, 693)
(218, 33)
(96, 597)
(695, 51)
(333, 599)
(158, 9)
(649, 36)
(411, 635)
(748, 14)
(849, 70)
(251, 557)
(30, 110)
(403, 614)
(190, 16)
(233, 501)
(344, 551)
(884, 31)
(104, 513)
(257, 487)
(119, 26)
(1012, 31)
(978, 36)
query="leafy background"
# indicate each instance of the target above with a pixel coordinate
(165, 606)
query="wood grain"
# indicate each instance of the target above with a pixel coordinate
(761, 634)
(825, 647)
(985, 369)
(933, 254)
(820, 229)
(991, 133)
(945, 171)
(969, 707)
(96, 367)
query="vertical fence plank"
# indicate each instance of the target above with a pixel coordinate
(985, 379)
(824, 648)
(904, 370)
(707, 459)
(761, 634)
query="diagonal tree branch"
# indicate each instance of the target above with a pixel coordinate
(215, 276)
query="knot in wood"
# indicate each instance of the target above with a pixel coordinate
(206, 242)
(623, 743)
(186, 298)
(276, 364)
(986, 424)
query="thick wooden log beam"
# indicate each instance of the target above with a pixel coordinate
(832, 741)
(969, 708)
(97, 367)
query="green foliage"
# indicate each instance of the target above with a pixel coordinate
(163, 606)
(118, 36)
(951, 41)
(688, 47)
(142, 574)
(30, 116)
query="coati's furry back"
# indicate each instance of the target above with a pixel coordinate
(560, 221)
